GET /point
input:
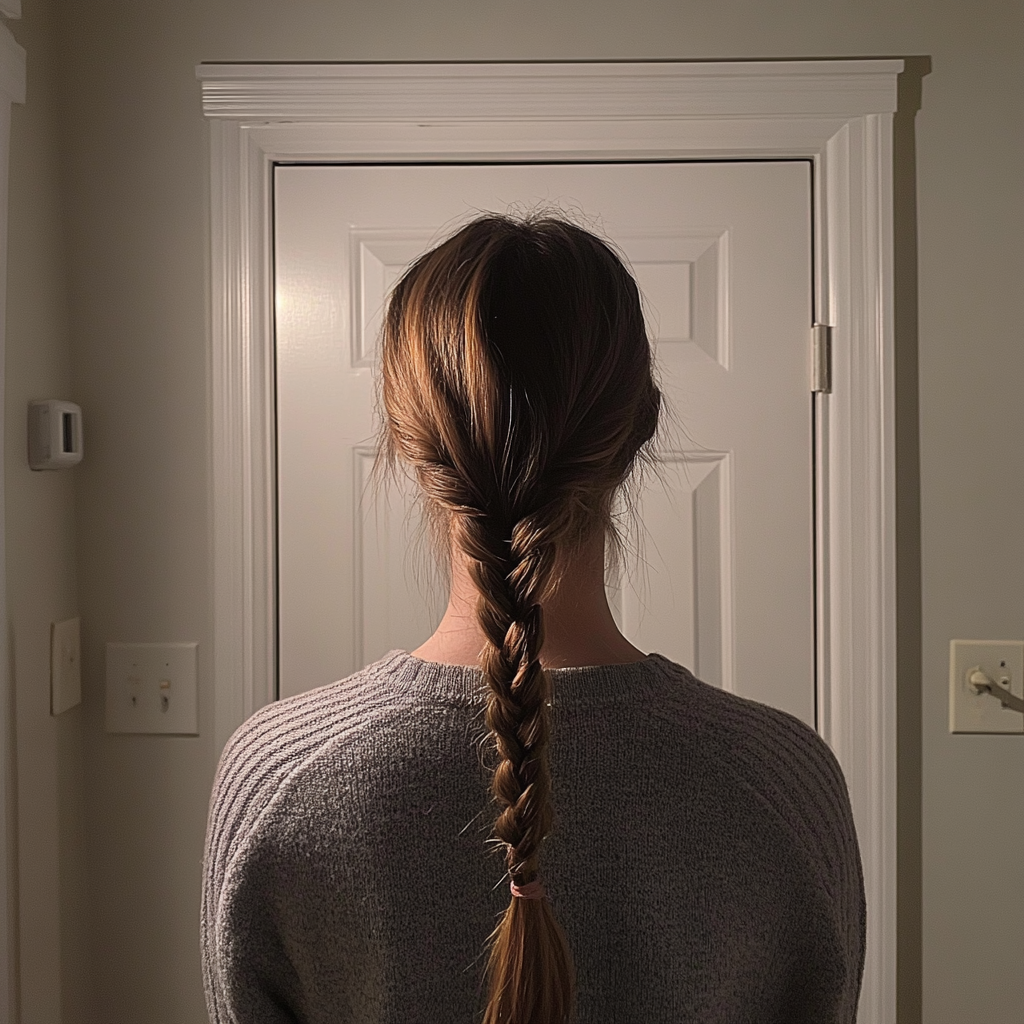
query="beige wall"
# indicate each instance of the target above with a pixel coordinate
(135, 144)
(41, 562)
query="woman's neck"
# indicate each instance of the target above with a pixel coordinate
(578, 625)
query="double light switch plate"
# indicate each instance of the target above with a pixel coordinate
(1002, 661)
(151, 688)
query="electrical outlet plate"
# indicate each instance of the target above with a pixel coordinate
(65, 666)
(151, 688)
(1000, 660)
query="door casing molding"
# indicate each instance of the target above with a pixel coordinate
(836, 113)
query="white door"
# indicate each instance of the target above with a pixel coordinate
(722, 253)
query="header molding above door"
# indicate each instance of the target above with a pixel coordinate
(547, 91)
(835, 113)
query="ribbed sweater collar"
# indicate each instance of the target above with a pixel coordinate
(589, 684)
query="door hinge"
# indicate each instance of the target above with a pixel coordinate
(821, 358)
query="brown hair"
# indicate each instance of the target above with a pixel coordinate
(517, 385)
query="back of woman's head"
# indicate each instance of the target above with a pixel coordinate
(517, 385)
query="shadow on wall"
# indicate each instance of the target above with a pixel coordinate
(908, 547)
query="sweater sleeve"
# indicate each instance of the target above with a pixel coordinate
(252, 978)
(826, 984)
(812, 793)
(247, 975)
(845, 880)
(792, 772)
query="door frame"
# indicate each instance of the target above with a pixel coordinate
(836, 113)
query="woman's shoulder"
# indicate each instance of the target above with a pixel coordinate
(788, 770)
(753, 737)
(310, 713)
(275, 743)
(283, 731)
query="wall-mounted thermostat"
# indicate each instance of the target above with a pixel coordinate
(54, 434)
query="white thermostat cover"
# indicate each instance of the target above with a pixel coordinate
(54, 434)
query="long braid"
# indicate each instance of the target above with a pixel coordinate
(526, 980)
(530, 970)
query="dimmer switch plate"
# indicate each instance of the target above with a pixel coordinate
(151, 688)
(1003, 662)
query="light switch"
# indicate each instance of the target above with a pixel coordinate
(65, 666)
(151, 688)
(1003, 662)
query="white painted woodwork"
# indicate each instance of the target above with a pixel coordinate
(721, 251)
(12, 90)
(836, 113)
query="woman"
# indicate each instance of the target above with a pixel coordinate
(703, 865)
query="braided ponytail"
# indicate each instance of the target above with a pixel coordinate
(516, 383)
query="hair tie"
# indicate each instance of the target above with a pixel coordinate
(530, 891)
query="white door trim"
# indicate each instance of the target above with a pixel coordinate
(838, 114)
(12, 90)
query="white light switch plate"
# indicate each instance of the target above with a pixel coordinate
(980, 712)
(152, 688)
(65, 666)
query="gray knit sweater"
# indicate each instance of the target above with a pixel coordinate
(703, 862)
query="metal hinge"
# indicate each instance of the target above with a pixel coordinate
(821, 358)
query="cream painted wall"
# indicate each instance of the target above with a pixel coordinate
(41, 560)
(136, 199)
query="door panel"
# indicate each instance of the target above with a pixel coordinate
(721, 578)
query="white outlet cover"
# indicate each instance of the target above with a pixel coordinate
(151, 688)
(980, 712)
(65, 665)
